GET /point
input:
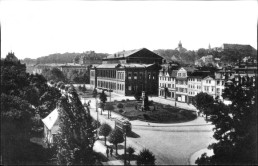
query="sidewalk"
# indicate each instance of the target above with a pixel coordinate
(101, 148)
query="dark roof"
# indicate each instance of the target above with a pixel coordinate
(190, 69)
(237, 46)
(123, 53)
(129, 65)
(201, 74)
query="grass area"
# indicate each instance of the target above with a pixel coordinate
(158, 113)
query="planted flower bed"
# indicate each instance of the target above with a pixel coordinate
(158, 113)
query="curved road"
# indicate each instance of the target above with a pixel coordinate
(172, 144)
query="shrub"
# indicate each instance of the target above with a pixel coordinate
(121, 111)
(127, 99)
(123, 100)
(120, 105)
(146, 158)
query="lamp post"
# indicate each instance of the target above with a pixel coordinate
(124, 129)
(97, 118)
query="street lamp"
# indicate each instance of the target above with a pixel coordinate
(124, 129)
(109, 111)
(97, 118)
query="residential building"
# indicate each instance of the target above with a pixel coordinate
(194, 82)
(181, 83)
(51, 126)
(209, 85)
(167, 81)
(127, 72)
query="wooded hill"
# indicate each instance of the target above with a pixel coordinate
(61, 58)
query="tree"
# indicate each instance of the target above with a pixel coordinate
(19, 98)
(202, 52)
(137, 94)
(104, 130)
(235, 127)
(203, 101)
(103, 97)
(130, 151)
(120, 106)
(146, 158)
(116, 137)
(95, 124)
(79, 88)
(54, 74)
(94, 93)
(75, 138)
(84, 88)
(110, 108)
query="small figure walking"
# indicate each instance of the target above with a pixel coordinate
(107, 152)
(111, 152)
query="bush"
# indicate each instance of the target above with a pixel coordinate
(121, 111)
(127, 100)
(123, 100)
(120, 105)
(146, 158)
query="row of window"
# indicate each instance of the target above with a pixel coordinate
(194, 86)
(135, 75)
(166, 78)
(169, 94)
(121, 75)
(107, 73)
(106, 84)
(209, 88)
(168, 85)
(181, 74)
(182, 90)
(195, 79)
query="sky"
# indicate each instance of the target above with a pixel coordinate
(33, 29)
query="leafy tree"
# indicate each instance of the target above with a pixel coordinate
(120, 106)
(94, 93)
(203, 101)
(95, 124)
(54, 74)
(48, 101)
(80, 88)
(110, 108)
(130, 151)
(146, 102)
(84, 88)
(137, 94)
(104, 130)
(146, 158)
(116, 137)
(235, 127)
(19, 98)
(101, 105)
(75, 139)
(202, 52)
(103, 97)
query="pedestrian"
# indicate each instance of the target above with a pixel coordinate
(111, 151)
(107, 152)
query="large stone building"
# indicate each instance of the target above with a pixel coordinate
(127, 72)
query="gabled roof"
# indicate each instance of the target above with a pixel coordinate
(51, 119)
(123, 53)
(209, 76)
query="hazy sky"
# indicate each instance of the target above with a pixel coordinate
(33, 29)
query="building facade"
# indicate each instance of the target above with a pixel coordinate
(127, 72)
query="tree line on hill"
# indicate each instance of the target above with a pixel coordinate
(61, 58)
(73, 76)
(230, 55)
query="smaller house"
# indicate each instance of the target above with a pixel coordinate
(51, 126)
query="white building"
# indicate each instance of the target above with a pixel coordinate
(209, 86)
